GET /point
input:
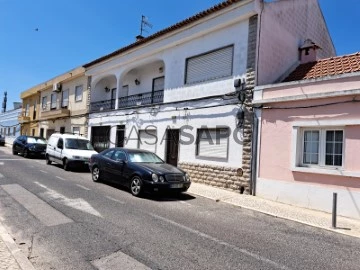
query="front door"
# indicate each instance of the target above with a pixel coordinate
(172, 146)
(120, 136)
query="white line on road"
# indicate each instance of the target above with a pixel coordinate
(244, 251)
(78, 203)
(58, 177)
(1, 163)
(80, 186)
(188, 204)
(115, 200)
(43, 171)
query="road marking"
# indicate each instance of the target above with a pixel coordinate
(188, 204)
(43, 171)
(79, 203)
(37, 207)
(80, 186)
(1, 163)
(119, 260)
(115, 200)
(58, 177)
(244, 251)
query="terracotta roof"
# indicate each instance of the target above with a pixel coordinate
(326, 67)
(167, 30)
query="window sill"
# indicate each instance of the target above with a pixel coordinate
(339, 171)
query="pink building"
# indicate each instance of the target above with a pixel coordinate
(309, 135)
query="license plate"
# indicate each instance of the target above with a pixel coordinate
(176, 186)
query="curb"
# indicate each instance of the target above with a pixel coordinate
(277, 216)
(18, 255)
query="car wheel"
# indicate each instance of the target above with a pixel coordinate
(96, 174)
(48, 161)
(136, 186)
(26, 153)
(66, 164)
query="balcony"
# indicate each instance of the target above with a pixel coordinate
(50, 111)
(143, 99)
(23, 118)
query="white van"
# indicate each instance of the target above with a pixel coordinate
(69, 150)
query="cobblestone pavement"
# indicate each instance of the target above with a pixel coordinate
(7, 261)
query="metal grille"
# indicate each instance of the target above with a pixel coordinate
(174, 178)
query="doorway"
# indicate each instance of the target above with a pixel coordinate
(120, 136)
(172, 146)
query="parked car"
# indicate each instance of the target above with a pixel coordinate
(139, 170)
(2, 140)
(29, 146)
(69, 150)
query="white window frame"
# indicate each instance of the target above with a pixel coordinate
(213, 141)
(213, 76)
(73, 130)
(322, 147)
(64, 100)
(78, 97)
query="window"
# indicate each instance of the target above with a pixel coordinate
(76, 130)
(53, 101)
(209, 66)
(65, 99)
(158, 83)
(14, 131)
(109, 153)
(27, 108)
(119, 155)
(322, 147)
(212, 143)
(44, 103)
(62, 130)
(78, 93)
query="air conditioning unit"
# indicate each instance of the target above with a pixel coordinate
(56, 87)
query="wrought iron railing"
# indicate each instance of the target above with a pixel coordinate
(148, 98)
(141, 99)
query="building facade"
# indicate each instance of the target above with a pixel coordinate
(185, 92)
(9, 124)
(29, 116)
(310, 136)
(62, 104)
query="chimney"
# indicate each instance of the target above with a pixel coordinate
(139, 37)
(308, 51)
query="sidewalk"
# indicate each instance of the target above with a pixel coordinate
(11, 257)
(318, 219)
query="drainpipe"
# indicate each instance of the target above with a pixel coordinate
(254, 152)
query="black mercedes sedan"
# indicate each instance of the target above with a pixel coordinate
(29, 146)
(139, 170)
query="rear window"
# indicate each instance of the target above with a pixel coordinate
(35, 140)
(78, 144)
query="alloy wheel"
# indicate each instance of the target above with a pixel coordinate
(136, 186)
(95, 174)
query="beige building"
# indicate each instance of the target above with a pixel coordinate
(29, 115)
(63, 104)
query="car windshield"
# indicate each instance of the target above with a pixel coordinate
(78, 144)
(35, 140)
(144, 157)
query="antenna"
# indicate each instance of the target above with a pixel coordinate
(144, 23)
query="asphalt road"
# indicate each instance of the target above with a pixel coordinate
(62, 220)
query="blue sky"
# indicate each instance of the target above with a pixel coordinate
(74, 32)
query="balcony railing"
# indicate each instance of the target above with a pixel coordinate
(54, 110)
(148, 98)
(23, 117)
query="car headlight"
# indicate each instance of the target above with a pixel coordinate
(162, 179)
(154, 177)
(187, 177)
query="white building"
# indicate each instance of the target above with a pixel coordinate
(184, 84)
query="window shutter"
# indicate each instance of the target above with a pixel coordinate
(209, 146)
(147, 140)
(210, 66)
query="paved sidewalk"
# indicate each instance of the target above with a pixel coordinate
(306, 216)
(11, 257)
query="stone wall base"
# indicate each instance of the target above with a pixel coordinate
(217, 176)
